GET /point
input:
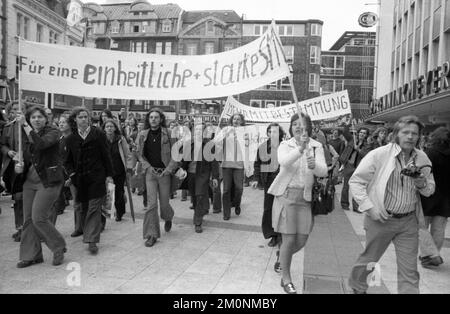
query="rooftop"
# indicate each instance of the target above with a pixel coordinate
(228, 16)
(347, 36)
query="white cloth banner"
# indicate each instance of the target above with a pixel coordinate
(113, 74)
(319, 108)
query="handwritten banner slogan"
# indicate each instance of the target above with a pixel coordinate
(319, 108)
(125, 75)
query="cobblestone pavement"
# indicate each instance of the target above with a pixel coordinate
(228, 257)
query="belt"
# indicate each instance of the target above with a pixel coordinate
(397, 216)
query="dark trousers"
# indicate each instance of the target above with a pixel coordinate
(37, 207)
(232, 177)
(267, 228)
(217, 197)
(347, 173)
(200, 201)
(77, 212)
(119, 194)
(90, 219)
(18, 213)
(56, 208)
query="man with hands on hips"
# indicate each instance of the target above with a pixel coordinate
(390, 195)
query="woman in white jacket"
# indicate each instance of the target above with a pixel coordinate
(300, 158)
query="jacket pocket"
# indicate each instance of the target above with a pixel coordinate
(54, 174)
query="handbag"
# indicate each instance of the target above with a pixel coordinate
(322, 198)
(54, 174)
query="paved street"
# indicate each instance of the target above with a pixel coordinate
(228, 257)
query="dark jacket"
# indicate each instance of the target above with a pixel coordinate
(43, 152)
(263, 163)
(438, 204)
(338, 145)
(204, 172)
(89, 163)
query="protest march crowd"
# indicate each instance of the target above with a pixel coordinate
(396, 176)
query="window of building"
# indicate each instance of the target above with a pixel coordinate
(168, 49)
(191, 49)
(39, 32)
(257, 30)
(209, 48)
(284, 103)
(227, 47)
(167, 26)
(256, 103)
(136, 28)
(52, 37)
(281, 30)
(285, 84)
(26, 27)
(289, 30)
(270, 103)
(313, 82)
(273, 85)
(371, 42)
(265, 28)
(289, 53)
(159, 47)
(359, 42)
(115, 27)
(315, 55)
(209, 27)
(316, 30)
(19, 31)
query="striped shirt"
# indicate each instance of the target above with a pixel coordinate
(401, 193)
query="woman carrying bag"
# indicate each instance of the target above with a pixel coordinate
(122, 162)
(43, 173)
(300, 158)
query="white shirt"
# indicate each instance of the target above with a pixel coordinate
(84, 134)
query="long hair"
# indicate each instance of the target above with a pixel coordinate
(135, 123)
(117, 130)
(33, 110)
(377, 132)
(306, 119)
(161, 115)
(402, 122)
(230, 121)
(281, 132)
(440, 138)
(73, 117)
(108, 114)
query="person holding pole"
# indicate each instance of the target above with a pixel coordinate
(89, 166)
(10, 150)
(43, 173)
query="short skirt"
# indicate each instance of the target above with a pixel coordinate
(295, 213)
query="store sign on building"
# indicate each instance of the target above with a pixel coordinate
(368, 19)
(205, 118)
(434, 82)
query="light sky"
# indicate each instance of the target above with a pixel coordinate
(338, 15)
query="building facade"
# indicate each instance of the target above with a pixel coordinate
(40, 21)
(302, 42)
(349, 65)
(207, 32)
(419, 69)
(134, 27)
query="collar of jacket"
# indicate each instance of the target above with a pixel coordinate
(312, 143)
(398, 150)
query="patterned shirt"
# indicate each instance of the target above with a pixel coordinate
(401, 193)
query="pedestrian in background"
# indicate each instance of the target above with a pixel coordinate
(379, 137)
(121, 164)
(350, 158)
(42, 168)
(389, 195)
(266, 169)
(436, 207)
(301, 158)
